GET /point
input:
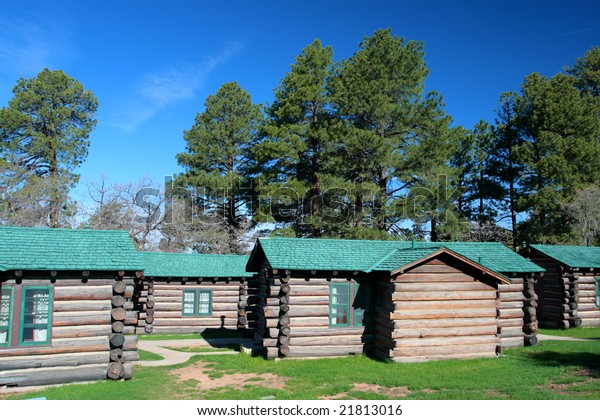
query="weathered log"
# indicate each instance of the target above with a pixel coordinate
(272, 352)
(148, 328)
(283, 339)
(115, 370)
(117, 340)
(298, 311)
(118, 301)
(444, 313)
(284, 289)
(118, 314)
(64, 319)
(81, 331)
(81, 305)
(116, 355)
(284, 350)
(445, 332)
(445, 304)
(446, 341)
(342, 340)
(319, 351)
(440, 351)
(52, 360)
(128, 370)
(50, 376)
(531, 340)
(441, 287)
(101, 292)
(444, 295)
(199, 322)
(285, 330)
(119, 287)
(62, 345)
(442, 323)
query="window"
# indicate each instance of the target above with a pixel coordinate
(6, 302)
(35, 315)
(29, 310)
(597, 292)
(197, 302)
(348, 304)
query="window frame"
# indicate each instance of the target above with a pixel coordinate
(597, 300)
(22, 342)
(348, 305)
(352, 286)
(11, 303)
(197, 293)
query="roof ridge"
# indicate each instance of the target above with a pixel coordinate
(385, 257)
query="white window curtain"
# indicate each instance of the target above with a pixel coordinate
(4, 316)
(41, 306)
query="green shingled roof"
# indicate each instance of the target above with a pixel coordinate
(24, 248)
(164, 264)
(573, 256)
(370, 256)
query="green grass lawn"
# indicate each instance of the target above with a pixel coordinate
(580, 332)
(550, 370)
(146, 356)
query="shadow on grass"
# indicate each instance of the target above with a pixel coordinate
(587, 361)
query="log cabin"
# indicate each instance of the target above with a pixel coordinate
(193, 293)
(66, 301)
(569, 290)
(404, 301)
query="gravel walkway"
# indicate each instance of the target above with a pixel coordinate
(546, 337)
(173, 357)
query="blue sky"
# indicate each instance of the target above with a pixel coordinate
(152, 63)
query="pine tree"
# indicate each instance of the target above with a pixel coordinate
(217, 160)
(43, 138)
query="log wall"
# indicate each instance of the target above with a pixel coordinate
(293, 319)
(558, 294)
(164, 313)
(441, 310)
(517, 317)
(88, 334)
(588, 312)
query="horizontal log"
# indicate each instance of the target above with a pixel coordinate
(53, 360)
(510, 313)
(81, 305)
(324, 331)
(72, 331)
(443, 313)
(416, 277)
(318, 351)
(177, 306)
(421, 359)
(445, 332)
(440, 351)
(444, 304)
(510, 322)
(53, 375)
(342, 340)
(119, 287)
(128, 370)
(512, 305)
(585, 307)
(62, 319)
(303, 321)
(82, 292)
(442, 287)
(298, 311)
(443, 295)
(513, 342)
(443, 323)
(115, 370)
(446, 341)
(434, 269)
(129, 291)
(62, 345)
(511, 296)
(507, 332)
(309, 291)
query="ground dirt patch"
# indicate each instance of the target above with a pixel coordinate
(394, 393)
(199, 372)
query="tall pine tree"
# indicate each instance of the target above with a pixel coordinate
(218, 159)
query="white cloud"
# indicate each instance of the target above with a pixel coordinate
(157, 90)
(29, 45)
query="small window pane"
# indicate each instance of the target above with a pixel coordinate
(339, 308)
(189, 302)
(36, 315)
(5, 316)
(204, 302)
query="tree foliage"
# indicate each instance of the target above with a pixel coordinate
(217, 161)
(44, 134)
